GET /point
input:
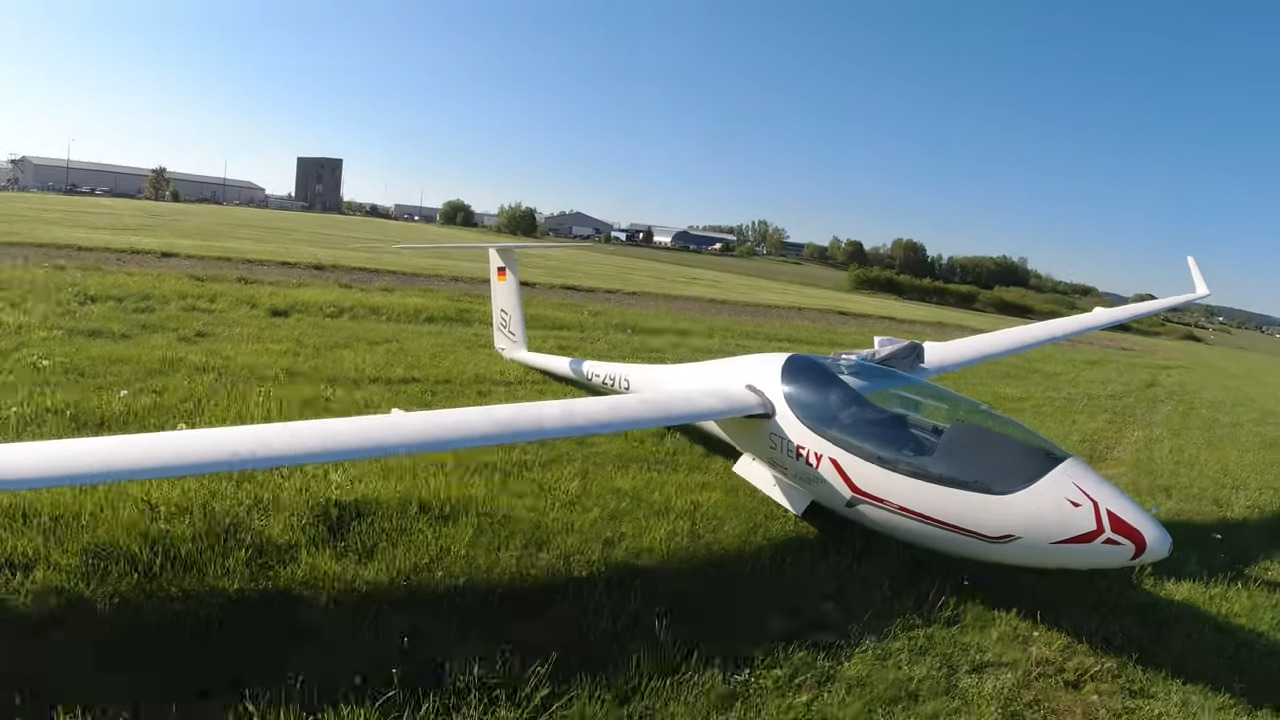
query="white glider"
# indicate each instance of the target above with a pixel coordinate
(862, 433)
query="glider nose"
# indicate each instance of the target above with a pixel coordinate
(1106, 526)
(1161, 545)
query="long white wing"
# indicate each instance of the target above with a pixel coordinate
(940, 357)
(75, 461)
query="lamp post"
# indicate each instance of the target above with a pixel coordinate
(66, 182)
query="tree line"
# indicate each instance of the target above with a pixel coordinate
(512, 219)
(903, 256)
(911, 258)
(758, 237)
(902, 267)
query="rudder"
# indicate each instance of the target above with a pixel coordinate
(504, 287)
(504, 296)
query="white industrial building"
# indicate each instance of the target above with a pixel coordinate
(693, 239)
(284, 202)
(32, 172)
(415, 212)
(576, 224)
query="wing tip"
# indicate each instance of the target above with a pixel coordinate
(1201, 287)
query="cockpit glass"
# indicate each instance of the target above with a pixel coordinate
(914, 427)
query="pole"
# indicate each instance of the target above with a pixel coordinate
(66, 182)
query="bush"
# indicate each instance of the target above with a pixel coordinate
(1011, 301)
(909, 288)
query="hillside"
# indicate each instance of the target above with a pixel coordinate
(1243, 318)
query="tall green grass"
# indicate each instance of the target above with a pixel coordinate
(623, 575)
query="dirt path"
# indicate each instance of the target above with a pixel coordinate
(17, 255)
(12, 255)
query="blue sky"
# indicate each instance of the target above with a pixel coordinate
(1105, 141)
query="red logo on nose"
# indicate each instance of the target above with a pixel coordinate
(1118, 526)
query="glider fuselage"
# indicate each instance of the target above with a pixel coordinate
(1002, 495)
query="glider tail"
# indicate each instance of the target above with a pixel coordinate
(504, 296)
(504, 288)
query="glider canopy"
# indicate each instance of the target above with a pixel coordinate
(914, 427)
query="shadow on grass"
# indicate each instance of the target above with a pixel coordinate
(838, 585)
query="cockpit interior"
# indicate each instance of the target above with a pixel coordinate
(914, 427)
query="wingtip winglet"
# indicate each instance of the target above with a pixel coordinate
(1201, 287)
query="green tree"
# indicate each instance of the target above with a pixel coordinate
(764, 235)
(157, 184)
(878, 257)
(847, 252)
(910, 257)
(646, 237)
(456, 212)
(855, 253)
(814, 251)
(518, 219)
(835, 250)
(376, 210)
(174, 194)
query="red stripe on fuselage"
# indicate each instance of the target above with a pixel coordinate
(1119, 526)
(915, 514)
(1088, 536)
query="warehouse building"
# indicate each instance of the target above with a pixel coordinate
(576, 224)
(693, 239)
(423, 213)
(31, 172)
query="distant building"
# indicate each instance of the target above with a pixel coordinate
(318, 183)
(32, 172)
(421, 212)
(576, 223)
(791, 248)
(694, 239)
(281, 202)
(641, 227)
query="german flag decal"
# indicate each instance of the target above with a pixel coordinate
(502, 274)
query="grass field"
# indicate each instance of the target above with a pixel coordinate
(233, 232)
(631, 575)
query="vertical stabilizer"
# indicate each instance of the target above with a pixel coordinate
(504, 287)
(504, 294)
